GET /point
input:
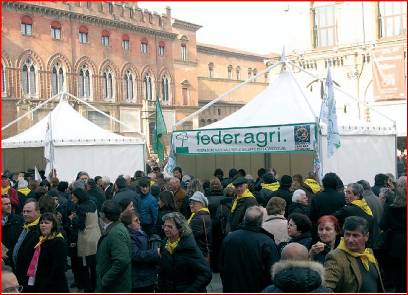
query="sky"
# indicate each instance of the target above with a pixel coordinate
(258, 27)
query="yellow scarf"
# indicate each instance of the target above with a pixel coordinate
(271, 186)
(313, 184)
(366, 257)
(363, 205)
(192, 215)
(4, 190)
(35, 222)
(171, 246)
(24, 190)
(50, 237)
(246, 194)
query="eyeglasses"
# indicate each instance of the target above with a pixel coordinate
(14, 289)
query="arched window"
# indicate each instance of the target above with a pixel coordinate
(128, 82)
(148, 87)
(84, 82)
(165, 89)
(230, 72)
(3, 80)
(29, 78)
(211, 70)
(238, 70)
(108, 84)
(57, 79)
(26, 25)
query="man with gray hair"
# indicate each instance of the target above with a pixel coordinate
(247, 255)
(356, 205)
(372, 200)
(294, 273)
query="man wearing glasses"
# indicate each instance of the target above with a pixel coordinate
(9, 281)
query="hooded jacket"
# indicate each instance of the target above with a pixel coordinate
(290, 276)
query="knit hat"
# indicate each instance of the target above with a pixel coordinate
(199, 197)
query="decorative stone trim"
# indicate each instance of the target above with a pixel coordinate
(179, 24)
(48, 11)
(212, 51)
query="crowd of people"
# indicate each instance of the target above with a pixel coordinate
(148, 233)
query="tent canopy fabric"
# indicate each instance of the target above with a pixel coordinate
(285, 102)
(68, 128)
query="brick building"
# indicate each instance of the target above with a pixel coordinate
(119, 58)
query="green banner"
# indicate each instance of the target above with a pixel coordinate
(264, 139)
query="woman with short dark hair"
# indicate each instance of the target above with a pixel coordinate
(299, 230)
(46, 271)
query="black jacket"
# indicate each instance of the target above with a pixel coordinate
(353, 210)
(214, 199)
(304, 239)
(395, 226)
(247, 255)
(239, 212)
(50, 276)
(290, 276)
(96, 196)
(298, 208)
(326, 203)
(184, 271)
(265, 195)
(11, 231)
(201, 226)
(144, 260)
(125, 193)
(25, 254)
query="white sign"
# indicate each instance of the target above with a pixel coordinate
(265, 139)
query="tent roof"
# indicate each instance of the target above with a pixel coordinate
(285, 102)
(282, 102)
(68, 128)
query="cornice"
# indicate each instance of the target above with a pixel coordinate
(91, 19)
(185, 25)
(212, 51)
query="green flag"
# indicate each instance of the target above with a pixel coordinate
(159, 131)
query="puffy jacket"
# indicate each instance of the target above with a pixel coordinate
(290, 276)
(148, 209)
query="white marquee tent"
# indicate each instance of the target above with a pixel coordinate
(248, 138)
(79, 145)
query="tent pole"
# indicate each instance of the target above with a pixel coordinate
(29, 112)
(189, 117)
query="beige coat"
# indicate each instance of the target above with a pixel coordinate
(343, 273)
(89, 237)
(278, 226)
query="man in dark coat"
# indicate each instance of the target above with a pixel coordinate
(268, 186)
(12, 225)
(328, 201)
(243, 201)
(247, 255)
(357, 206)
(147, 207)
(123, 192)
(113, 257)
(24, 248)
(380, 181)
(94, 193)
(282, 192)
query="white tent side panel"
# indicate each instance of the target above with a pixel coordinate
(361, 157)
(103, 160)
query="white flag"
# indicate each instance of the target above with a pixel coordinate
(37, 175)
(328, 115)
(49, 147)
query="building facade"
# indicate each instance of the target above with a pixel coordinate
(365, 45)
(119, 58)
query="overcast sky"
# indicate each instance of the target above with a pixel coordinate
(259, 27)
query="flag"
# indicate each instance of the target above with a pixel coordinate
(37, 175)
(328, 115)
(49, 148)
(159, 131)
